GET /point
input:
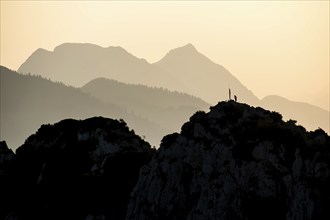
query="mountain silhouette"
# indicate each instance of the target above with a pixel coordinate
(236, 162)
(72, 170)
(76, 64)
(27, 101)
(165, 108)
(183, 69)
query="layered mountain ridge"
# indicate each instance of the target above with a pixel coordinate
(27, 101)
(183, 69)
(77, 64)
(166, 108)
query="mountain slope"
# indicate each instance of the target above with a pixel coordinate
(310, 116)
(72, 170)
(28, 101)
(202, 77)
(236, 162)
(76, 64)
(168, 109)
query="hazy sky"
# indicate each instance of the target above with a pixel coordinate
(272, 47)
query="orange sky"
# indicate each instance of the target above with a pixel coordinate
(272, 47)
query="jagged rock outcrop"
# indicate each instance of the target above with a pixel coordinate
(76, 169)
(236, 162)
(6, 156)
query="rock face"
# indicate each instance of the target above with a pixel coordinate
(75, 170)
(236, 162)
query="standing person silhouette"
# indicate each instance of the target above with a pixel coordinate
(235, 97)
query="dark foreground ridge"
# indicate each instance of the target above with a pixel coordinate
(234, 162)
(72, 170)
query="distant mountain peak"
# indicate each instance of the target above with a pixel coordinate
(188, 48)
(90, 48)
(186, 53)
(77, 49)
(40, 52)
(75, 45)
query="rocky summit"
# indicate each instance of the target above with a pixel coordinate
(74, 169)
(236, 162)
